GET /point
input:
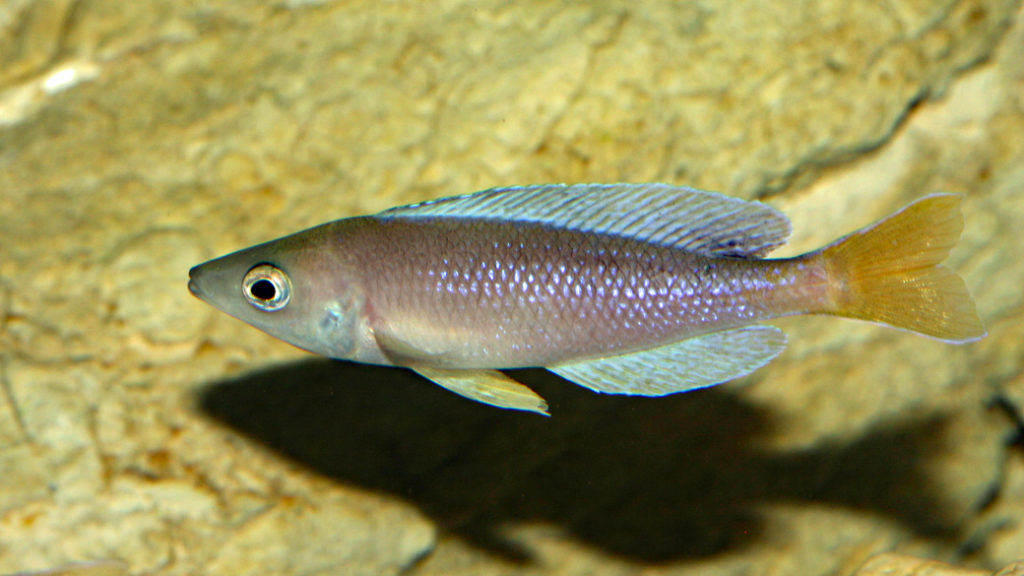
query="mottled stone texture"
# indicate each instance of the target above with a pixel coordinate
(140, 138)
(899, 565)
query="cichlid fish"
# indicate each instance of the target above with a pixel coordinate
(641, 289)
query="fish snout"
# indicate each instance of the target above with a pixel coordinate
(193, 285)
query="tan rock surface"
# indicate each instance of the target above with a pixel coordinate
(138, 139)
(899, 565)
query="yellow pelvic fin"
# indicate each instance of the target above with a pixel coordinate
(487, 386)
(890, 272)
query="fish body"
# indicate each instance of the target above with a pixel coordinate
(478, 294)
(644, 289)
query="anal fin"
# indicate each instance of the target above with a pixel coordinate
(693, 363)
(487, 386)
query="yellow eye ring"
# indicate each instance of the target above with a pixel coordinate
(267, 288)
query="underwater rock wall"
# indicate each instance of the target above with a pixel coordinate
(140, 138)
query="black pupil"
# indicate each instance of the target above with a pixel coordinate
(263, 290)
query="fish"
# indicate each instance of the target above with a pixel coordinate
(635, 289)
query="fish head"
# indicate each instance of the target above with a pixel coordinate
(293, 289)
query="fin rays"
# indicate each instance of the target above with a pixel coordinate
(486, 386)
(690, 364)
(690, 219)
(890, 272)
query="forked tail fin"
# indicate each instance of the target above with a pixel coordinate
(890, 272)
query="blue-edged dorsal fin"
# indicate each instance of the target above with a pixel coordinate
(694, 220)
(694, 363)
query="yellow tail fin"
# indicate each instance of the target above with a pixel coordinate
(890, 272)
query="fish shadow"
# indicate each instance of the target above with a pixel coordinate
(650, 479)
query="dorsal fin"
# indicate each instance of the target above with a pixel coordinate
(694, 220)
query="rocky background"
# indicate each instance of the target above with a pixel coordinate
(140, 138)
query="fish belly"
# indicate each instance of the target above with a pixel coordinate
(484, 294)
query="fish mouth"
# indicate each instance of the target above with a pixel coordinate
(193, 286)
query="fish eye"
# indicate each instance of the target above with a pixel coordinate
(267, 288)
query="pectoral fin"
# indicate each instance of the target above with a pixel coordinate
(487, 386)
(698, 362)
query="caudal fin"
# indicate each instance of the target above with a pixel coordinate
(890, 272)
